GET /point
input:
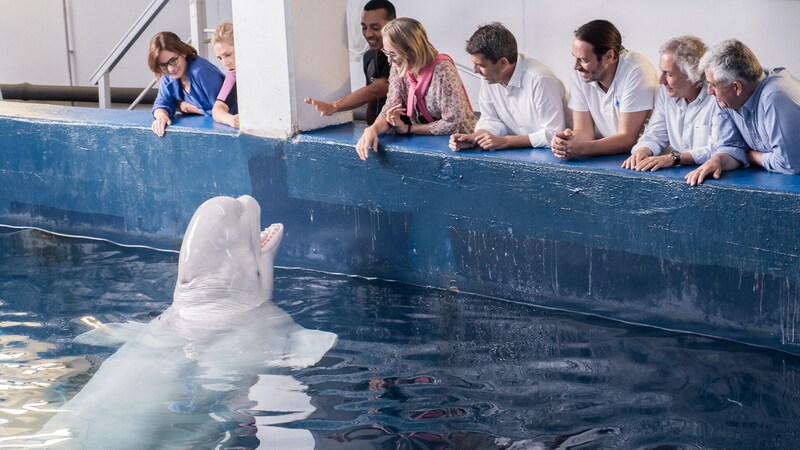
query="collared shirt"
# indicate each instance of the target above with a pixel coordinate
(632, 90)
(532, 103)
(680, 125)
(768, 122)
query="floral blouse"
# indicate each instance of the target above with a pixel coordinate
(445, 99)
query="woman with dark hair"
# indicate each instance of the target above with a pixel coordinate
(188, 82)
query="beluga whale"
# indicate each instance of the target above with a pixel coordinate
(176, 380)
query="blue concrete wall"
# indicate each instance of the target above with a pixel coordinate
(587, 236)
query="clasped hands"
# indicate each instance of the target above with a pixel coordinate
(564, 145)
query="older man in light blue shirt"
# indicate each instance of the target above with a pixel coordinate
(683, 112)
(758, 119)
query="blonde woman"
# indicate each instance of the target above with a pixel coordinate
(426, 95)
(188, 82)
(225, 108)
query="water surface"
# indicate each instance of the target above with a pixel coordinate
(414, 368)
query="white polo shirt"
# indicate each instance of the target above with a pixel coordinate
(680, 125)
(531, 104)
(632, 90)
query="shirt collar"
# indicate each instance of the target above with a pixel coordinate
(752, 103)
(516, 77)
(701, 97)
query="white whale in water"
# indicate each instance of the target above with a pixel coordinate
(217, 340)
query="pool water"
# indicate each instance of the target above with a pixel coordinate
(413, 368)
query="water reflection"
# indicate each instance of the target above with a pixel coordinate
(414, 368)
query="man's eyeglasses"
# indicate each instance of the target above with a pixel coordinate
(391, 56)
(173, 62)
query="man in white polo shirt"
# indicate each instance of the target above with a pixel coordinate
(522, 102)
(611, 94)
(683, 111)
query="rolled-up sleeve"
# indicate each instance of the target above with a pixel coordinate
(729, 140)
(548, 98)
(656, 135)
(782, 125)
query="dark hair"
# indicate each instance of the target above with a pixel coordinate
(493, 41)
(167, 40)
(602, 35)
(386, 5)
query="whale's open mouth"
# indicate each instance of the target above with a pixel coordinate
(270, 237)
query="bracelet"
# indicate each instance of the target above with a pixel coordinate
(408, 130)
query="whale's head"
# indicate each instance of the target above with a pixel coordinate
(226, 260)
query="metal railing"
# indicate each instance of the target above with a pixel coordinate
(466, 70)
(197, 13)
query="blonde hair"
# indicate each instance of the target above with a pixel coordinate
(409, 39)
(223, 33)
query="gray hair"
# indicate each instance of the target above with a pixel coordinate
(687, 51)
(731, 61)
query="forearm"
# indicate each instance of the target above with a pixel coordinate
(687, 159)
(220, 112)
(381, 125)
(727, 162)
(523, 141)
(367, 94)
(611, 145)
(160, 113)
(420, 128)
(188, 108)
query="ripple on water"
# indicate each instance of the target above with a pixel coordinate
(413, 367)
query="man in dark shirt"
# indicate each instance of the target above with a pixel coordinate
(377, 13)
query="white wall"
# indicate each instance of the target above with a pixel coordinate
(33, 38)
(544, 28)
(33, 43)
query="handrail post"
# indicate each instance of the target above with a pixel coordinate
(104, 91)
(197, 22)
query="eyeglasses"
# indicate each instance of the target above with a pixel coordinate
(173, 62)
(391, 56)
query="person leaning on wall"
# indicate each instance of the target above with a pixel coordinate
(189, 83)
(376, 14)
(521, 100)
(426, 95)
(225, 107)
(683, 112)
(757, 121)
(611, 91)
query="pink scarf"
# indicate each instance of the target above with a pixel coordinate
(418, 87)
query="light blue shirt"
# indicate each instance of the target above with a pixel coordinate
(768, 122)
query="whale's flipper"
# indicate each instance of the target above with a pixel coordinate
(306, 347)
(111, 334)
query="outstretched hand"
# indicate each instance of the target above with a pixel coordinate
(324, 108)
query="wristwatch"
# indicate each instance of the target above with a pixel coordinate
(676, 157)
